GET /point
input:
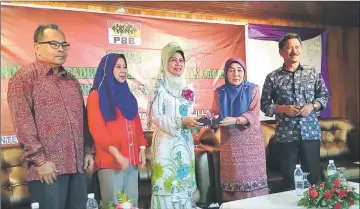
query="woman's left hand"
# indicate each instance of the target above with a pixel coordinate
(88, 162)
(190, 122)
(228, 121)
(142, 157)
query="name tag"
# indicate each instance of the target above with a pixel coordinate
(9, 140)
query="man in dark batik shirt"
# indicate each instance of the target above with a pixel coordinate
(294, 93)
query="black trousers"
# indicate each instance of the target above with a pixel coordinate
(304, 152)
(67, 192)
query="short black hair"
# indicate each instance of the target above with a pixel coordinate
(288, 36)
(39, 32)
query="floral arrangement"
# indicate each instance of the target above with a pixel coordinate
(123, 198)
(188, 94)
(124, 202)
(109, 205)
(331, 194)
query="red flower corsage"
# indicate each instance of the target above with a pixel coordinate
(188, 94)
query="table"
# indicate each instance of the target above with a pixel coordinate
(281, 200)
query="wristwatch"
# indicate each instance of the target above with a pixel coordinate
(313, 103)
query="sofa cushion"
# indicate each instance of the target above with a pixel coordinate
(335, 138)
(13, 176)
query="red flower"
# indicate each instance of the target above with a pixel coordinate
(314, 194)
(336, 197)
(188, 94)
(337, 205)
(337, 182)
(342, 193)
(328, 195)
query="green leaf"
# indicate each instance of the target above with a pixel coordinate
(168, 183)
(356, 196)
(110, 205)
(157, 171)
(323, 202)
(319, 197)
(122, 197)
(344, 206)
(303, 202)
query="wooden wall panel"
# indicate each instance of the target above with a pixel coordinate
(343, 50)
(343, 68)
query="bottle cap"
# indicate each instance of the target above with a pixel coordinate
(91, 195)
(298, 166)
(35, 205)
(331, 161)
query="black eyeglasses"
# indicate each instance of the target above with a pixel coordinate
(56, 45)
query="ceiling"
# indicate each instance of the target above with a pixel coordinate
(318, 12)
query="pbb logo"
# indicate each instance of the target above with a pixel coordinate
(126, 33)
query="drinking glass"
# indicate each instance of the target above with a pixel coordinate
(306, 182)
(341, 176)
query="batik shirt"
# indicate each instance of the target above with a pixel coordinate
(48, 111)
(301, 87)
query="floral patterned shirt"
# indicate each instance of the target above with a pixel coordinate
(48, 112)
(300, 87)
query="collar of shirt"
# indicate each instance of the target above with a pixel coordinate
(299, 67)
(46, 69)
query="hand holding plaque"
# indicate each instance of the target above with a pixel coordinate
(212, 121)
(192, 121)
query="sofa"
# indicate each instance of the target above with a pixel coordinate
(340, 142)
(14, 191)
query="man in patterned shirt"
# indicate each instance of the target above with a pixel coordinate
(294, 93)
(47, 111)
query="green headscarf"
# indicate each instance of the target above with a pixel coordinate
(171, 83)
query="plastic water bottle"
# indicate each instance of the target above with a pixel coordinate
(331, 169)
(35, 205)
(91, 203)
(299, 180)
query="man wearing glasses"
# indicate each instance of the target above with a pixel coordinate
(47, 111)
